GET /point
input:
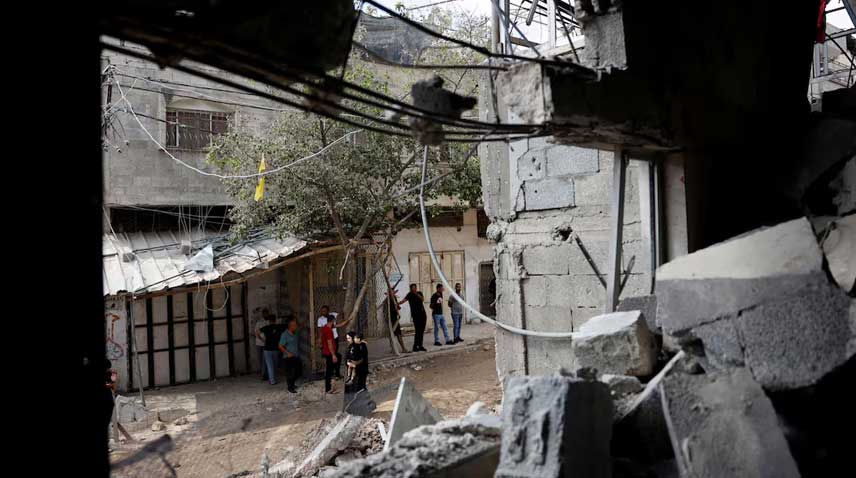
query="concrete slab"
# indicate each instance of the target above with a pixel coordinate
(839, 246)
(723, 425)
(556, 427)
(620, 385)
(411, 410)
(740, 273)
(647, 304)
(334, 443)
(618, 343)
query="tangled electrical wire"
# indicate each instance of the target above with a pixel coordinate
(335, 97)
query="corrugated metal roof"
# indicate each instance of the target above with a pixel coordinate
(157, 263)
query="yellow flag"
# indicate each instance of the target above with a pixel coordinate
(260, 189)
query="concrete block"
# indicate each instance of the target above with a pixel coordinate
(587, 291)
(620, 385)
(334, 443)
(647, 304)
(550, 193)
(555, 427)
(794, 342)
(541, 260)
(735, 275)
(722, 425)
(721, 343)
(595, 189)
(568, 160)
(411, 411)
(558, 291)
(532, 165)
(535, 291)
(618, 343)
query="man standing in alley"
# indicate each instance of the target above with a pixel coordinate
(331, 356)
(327, 316)
(289, 348)
(415, 299)
(258, 321)
(271, 334)
(457, 313)
(439, 318)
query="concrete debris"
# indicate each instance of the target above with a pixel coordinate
(327, 472)
(429, 95)
(647, 304)
(640, 432)
(839, 245)
(620, 385)
(556, 427)
(735, 275)
(722, 425)
(158, 426)
(359, 403)
(181, 421)
(486, 347)
(476, 409)
(345, 458)
(336, 441)
(463, 447)
(411, 411)
(129, 409)
(617, 343)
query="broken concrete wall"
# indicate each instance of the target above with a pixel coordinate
(549, 221)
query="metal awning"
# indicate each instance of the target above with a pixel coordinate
(146, 262)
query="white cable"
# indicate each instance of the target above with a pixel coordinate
(509, 328)
(226, 176)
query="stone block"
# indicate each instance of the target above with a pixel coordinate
(569, 160)
(541, 260)
(723, 425)
(620, 385)
(732, 276)
(550, 193)
(587, 291)
(617, 343)
(647, 304)
(582, 314)
(558, 291)
(336, 441)
(555, 427)
(721, 343)
(595, 189)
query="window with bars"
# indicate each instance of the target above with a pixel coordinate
(193, 130)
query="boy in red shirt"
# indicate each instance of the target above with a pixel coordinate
(328, 350)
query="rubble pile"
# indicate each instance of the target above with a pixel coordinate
(757, 386)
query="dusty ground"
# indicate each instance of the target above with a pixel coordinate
(237, 421)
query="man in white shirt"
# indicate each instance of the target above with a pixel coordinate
(326, 316)
(259, 322)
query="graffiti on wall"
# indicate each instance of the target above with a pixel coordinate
(115, 350)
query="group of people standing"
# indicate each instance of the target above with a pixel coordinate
(415, 300)
(277, 341)
(278, 344)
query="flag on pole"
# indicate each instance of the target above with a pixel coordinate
(260, 188)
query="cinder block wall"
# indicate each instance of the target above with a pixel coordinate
(136, 171)
(541, 198)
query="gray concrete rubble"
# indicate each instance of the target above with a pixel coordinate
(411, 411)
(839, 244)
(621, 385)
(464, 447)
(639, 431)
(618, 343)
(732, 276)
(647, 304)
(335, 442)
(556, 426)
(722, 425)
(761, 300)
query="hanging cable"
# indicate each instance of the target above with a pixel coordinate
(436, 263)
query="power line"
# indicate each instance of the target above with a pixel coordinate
(225, 176)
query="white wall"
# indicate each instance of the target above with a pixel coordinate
(476, 251)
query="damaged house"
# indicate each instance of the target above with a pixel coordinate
(672, 209)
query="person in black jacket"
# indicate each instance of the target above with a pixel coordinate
(417, 312)
(363, 365)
